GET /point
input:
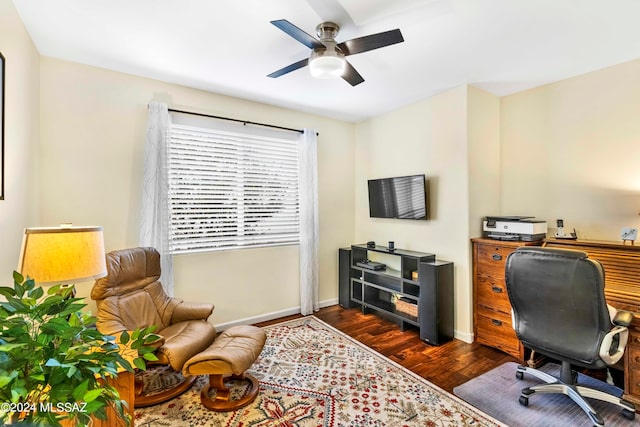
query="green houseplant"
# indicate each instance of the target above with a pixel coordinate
(54, 364)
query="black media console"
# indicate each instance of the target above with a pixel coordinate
(418, 294)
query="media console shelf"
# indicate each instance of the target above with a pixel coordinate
(418, 293)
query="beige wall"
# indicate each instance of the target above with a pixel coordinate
(93, 125)
(483, 121)
(571, 150)
(427, 137)
(21, 132)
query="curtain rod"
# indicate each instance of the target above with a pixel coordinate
(245, 122)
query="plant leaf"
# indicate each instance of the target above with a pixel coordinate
(55, 326)
(17, 304)
(72, 370)
(7, 292)
(19, 289)
(17, 393)
(92, 395)
(36, 293)
(151, 338)
(52, 363)
(94, 407)
(53, 290)
(6, 379)
(39, 377)
(8, 347)
(17, 277)
(124, 337)
(7, 307)
(139, 362)
(151, 357)
(80, 390)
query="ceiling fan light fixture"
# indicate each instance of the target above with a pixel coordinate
(326, 64)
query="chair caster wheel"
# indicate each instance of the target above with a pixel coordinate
(524, 401)
(519, 375)
(628, 414)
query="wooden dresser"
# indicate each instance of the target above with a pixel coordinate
(491, 307)
(622, 289)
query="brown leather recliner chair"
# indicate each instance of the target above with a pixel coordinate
(131, 296)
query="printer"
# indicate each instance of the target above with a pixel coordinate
(525, 228)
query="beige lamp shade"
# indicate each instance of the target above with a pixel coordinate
(52, 255)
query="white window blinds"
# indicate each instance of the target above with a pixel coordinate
(231, 189)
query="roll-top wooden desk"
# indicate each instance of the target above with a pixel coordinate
(622, 289)
(492, 322)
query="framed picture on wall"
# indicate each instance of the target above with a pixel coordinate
(1, 126)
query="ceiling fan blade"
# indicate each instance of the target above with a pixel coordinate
(370, 42)
(351, 75)
(295, 32)
(289, 68)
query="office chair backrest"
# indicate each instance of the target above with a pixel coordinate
(558, 302)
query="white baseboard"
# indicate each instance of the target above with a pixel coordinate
(270, 316)
(463, 336)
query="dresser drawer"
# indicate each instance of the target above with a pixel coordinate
(634, 383)
(634, 338)
(494, 329)
(632, 365)
(634, 358)
(492, 293)
(491, 260)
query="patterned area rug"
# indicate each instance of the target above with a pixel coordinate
(312, 375)
(157, 379)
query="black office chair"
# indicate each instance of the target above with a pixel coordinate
(559, 310)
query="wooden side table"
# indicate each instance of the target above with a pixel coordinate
(124, 383)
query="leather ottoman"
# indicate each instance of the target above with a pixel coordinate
(230, 354)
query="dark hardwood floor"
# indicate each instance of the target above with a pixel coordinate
(447, 365)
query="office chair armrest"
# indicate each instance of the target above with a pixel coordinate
(613, 344)
(622, 318)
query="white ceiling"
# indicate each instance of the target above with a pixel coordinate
(229, 46)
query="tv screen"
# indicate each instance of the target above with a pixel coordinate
(403, 197)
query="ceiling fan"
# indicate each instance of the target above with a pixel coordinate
(327, 57)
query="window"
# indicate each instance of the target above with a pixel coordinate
(231, 186)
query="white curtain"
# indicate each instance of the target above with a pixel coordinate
(309, 230)
(154, 224)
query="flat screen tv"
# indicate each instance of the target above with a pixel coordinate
(402, 197)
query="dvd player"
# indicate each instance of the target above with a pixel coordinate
(371, 265)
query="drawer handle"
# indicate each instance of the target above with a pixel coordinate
(496, 322)
(636, 340)
(496, 289)
(496, 257)
(638, 359)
